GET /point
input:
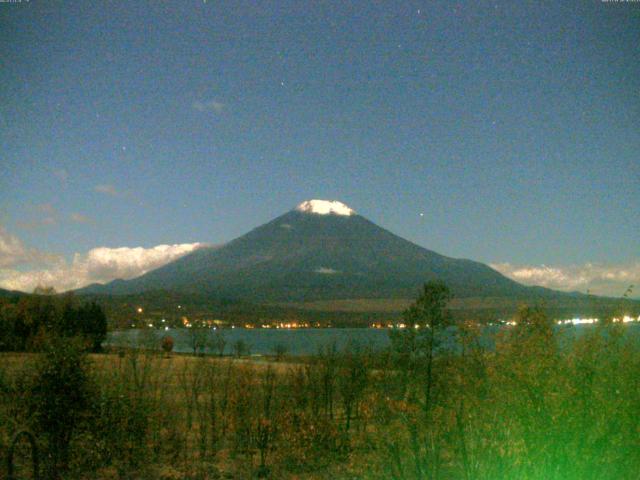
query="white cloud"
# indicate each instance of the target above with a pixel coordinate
(61, 174)
(40, 215)
(12, 251)
(46, 208)
(80, 218)
(107, 189)
(37, 223)
(325, 270)
(99, 265)
(598, 279)
(209, 106)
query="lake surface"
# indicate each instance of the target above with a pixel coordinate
(261, 341)
(305, 341)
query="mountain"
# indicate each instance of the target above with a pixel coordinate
(11, 293)
(321, 250)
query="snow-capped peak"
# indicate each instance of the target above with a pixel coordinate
(325, 207)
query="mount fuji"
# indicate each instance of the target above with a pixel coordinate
(320, 250)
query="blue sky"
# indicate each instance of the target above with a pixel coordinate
(513, 129)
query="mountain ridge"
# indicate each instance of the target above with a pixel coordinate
(320, 250)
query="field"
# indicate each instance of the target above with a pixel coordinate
(181, 416)
(535, 408)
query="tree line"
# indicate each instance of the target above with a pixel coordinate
(28, 322)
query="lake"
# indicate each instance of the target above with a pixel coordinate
(261, 341)
(303, 341)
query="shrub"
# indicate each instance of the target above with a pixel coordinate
(59, 399)
(167, 344)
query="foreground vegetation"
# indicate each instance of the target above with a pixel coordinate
(27, 322)
(544, 404)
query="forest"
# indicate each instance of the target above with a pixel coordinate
(28, 322)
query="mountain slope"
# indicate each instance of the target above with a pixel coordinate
(320, 252)
(11, 293)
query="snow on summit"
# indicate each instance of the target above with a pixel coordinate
(325, 207)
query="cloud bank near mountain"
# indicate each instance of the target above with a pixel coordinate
(599, 279)
(23, 268)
